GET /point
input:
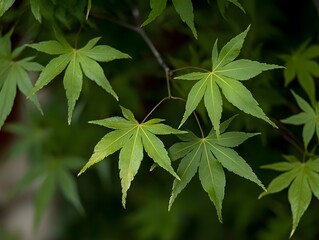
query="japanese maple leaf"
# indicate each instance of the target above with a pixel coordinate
(302, 178)
(301, 65)
(76, 62)
(227, 74)
(209, 155)
(132, 137)
(14, 74)
(309, 118)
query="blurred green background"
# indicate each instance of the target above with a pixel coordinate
(29, 140)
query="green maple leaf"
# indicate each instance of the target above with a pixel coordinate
(132, 137)
(209, 155)
(76, 62)
(56, 174)
(14, 74)
(302, 178)
(301, 65)
(227, 74)
(309, 118)
(184, 8)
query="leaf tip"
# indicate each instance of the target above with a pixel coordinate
(292, 232)
(124, 200)
(262, 195)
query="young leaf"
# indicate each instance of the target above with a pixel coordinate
(130, 160)
(210, 155)
(132, 137)
(76, 62)
(226, 75)
(309, 118)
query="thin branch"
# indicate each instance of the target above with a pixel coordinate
(105, 17)
(199, 125)
(153, 49)
(289, 137)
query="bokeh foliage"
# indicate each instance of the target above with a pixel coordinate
(282, 32)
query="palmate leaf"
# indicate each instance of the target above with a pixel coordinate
(302, 180)
(14, 74)
(75, 62)
(56, 174)
(132, 137)
(226, 75)
(184, 8)
(301, 65)
(210, 155)
(309, 118)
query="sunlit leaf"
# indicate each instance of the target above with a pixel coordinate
(132, 137)
(226, 75)
(75, 62)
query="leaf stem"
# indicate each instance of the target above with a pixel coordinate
(188, 67)
(157, 56)
(154, 108)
